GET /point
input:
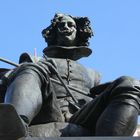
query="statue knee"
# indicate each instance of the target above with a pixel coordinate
(127, 83)
(126, 90)
(127, 80)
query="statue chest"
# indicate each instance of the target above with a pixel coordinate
(73, 74)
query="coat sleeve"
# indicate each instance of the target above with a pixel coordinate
(95, 77)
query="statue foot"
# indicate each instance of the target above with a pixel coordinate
(11, 126)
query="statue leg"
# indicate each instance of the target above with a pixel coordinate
(115, 111)
(24, 93)
(121, 114)
(31, 94)
(118, 119)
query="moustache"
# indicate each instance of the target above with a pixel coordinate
(66, 32)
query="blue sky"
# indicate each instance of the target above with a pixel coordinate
(116, 25)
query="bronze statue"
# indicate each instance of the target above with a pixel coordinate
(109, 109)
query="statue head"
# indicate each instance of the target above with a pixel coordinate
(68, 32)
(78, 27)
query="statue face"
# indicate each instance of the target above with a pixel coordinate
(66, 32)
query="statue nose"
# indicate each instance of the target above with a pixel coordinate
(66, 26)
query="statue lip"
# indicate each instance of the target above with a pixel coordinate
(65, 32)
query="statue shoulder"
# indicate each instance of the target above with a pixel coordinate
(25, 57)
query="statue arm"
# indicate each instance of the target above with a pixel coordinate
(96, 87)
(95, 77)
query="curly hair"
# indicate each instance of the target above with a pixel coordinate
(84, 31)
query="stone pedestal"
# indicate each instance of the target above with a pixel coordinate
(83, 138)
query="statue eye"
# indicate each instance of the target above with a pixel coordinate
(71, 24)
(61, 24)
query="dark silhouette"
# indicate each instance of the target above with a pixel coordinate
(58, 90)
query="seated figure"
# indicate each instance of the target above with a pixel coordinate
(58, 89)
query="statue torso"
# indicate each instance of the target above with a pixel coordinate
(77, 76)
